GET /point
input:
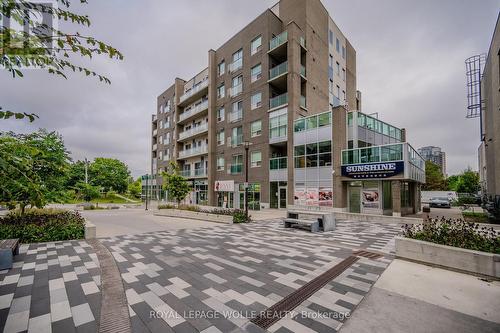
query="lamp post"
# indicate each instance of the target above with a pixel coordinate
(247, 147)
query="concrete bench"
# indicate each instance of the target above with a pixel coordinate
(326, 219)
(312, 225)
(8, 249)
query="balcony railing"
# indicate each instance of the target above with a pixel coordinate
(194, 90)
(384, 153)
(194, 173)
(236, 65)
(235, 91)
(278, 101)
(193, 131)
(193, 151)
(236, 115)
(278, 70)
(235, 141)
(236, 169)
(303, 102)
(278, 40)
(278, 163)
(191, 112)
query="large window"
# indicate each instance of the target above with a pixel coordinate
(256, 128)
(253, 196)
(220, 163)
(220, 138)
(256, 159)
(256, 45)
(221, 114)
(237, 60)
(256, 72)
(313, 155)
(221, 91)
(300, 159)
(237, 164)
(278, 126)
(221, 68)
(256, 101)
(237, 136)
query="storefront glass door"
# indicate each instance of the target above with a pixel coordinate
(355, 199)
(282, 197)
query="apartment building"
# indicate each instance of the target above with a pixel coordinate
(290, 64)
(435, 155)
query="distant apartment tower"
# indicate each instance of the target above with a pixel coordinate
(285, 87)
(434, 155)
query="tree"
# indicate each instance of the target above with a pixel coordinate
(135, 188)
(452, 182)
(109, 174)
(469, 182)
(46, 47)
(32, 169)
(87, 191)
(176, 185)
(75, 174)
(434, 180)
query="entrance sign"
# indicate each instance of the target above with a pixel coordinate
(224, 186)
(373, 170)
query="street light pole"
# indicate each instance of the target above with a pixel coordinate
(86, 171)
(147, 190)
(247, 146)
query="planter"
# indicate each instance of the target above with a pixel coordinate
(471, 261)
(186, 214)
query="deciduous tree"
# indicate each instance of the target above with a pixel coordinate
(110, 174)
(176, 186)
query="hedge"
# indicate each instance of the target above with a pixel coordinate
(42, 225)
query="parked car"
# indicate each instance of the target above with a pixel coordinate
(440, 202)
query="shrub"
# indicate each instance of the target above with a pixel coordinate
(42, 225)
(476, 217)
(166, 206)
(457, 233)
(239, 216)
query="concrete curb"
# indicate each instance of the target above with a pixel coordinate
(476, 262)
(227, 219)
(90, 230)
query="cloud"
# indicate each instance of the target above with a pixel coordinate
(410, 69)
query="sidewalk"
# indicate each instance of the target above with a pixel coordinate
(410, 297)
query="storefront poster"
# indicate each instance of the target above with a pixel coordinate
(325, 196)
(312, 197)
(371, 198)
(300, 196)
(224, 186)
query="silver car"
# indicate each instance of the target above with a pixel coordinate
(440, 202)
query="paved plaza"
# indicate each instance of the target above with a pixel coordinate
(208, 279)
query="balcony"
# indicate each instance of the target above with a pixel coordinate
(236, 65)
(278, 170)
(155, 147)
(235, 91)
(278, 71)
(194, 92)
(193, 132)
(201, 150)
(197, 173)
(278, 101)
(186, 115)
(236, 140)
(277, 41)
(235, 115)
(236, 169)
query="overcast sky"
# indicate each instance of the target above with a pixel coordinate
(410, 69)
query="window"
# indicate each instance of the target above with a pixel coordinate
(237, 86)
(237, 136)
(325, 154)
(221, 91)
(167, 139)
(221, 68)
(237, 113)
(300, 125)
(256, 159)
(256, 101)
(278, 126)
(343, 95)
(237, 164)
(220, 163)
(338, 68)
(343, 52)
(331, 36)
(221, 114)
(311, 122)
(237, 60)
(343, 74)
(256, 72)
(337, 45)
(220, 138)
(256, 128)
(256, 45)
(300, 160)
(324, 119)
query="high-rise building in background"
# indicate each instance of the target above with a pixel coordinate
(434, 155)
(285, 88)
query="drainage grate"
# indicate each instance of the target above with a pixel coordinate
(279, 310)
(367, 254)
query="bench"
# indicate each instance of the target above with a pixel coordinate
(325, 220)
(8, 249)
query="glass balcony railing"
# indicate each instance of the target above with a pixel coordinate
(303, 102)
(194, 173)
(236, 65)
(278, 40)
(278, 101)
(235, 91)
(278, 70)
(236, 115)
(199, 87)
(236, 140)
(185, 173)
(200, 172)
(193, 151)
(195, 110)
(193, 131)
(375, 154)
(236, 169)
(278, 163)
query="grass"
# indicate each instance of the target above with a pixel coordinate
(475, 217)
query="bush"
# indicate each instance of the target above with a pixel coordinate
(466, 200)
(239, 216)
(475, 217)
(457, 233)
(166, 206)
(42, 225)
